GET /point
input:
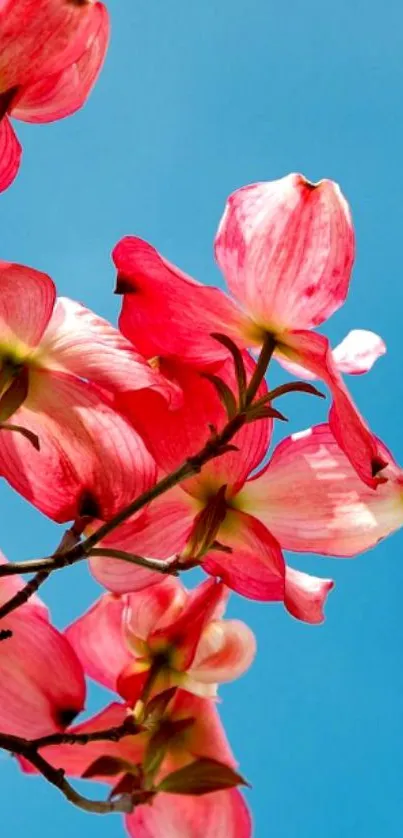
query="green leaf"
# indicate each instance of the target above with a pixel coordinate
(126, 785)
(159, 744)
(240, 371)
(157, 706)
(264, 413)
(201, 777)
(29, 435)
(15, 396)
(108, 767)
(226, 395)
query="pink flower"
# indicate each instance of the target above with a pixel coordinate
(286, 249)
(35, 701)
(59, 363)
(307, 498)
(195, 732)
(181, 632)
(51, 52)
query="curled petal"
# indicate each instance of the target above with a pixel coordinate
(226, 650)
(154, 609)
(222, 814)
(10, 154)
(286, 249)
(61, 94)
(42, 37)
(305, 595)
(255, 567)
(27, 298)
(348, 426)
(90, 461)
(81, 342)
(356, 354)
(75, 759)
(312, 499)
(31, 702)
(165, 312)
(97, 638)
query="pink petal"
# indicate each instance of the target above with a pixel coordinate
(75, 759)
(226, 650)
(312, 500)
(222, 814)
(90, 461)
(26, 303)
(42, 37)
(165, 312)
(206, 738)
(59, 95)
(159, 533)
(255, 568)
(98, 640)
(154, 609)
(358, 352)
(348, 426)
(32, 703)
(184, 634)
(286, 249)
(10, 154)
(80, 342)
(305, 595)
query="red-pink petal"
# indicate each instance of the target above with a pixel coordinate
(34, 702)
(75, 759)
(79, 341)
(10, 154)
(90, 461)
(158, 533)
(348, 426)
(154, 609)
(305, 595)
(312, 499)
(222, 814)
(59, 95)
(206, 737)
(165, 312)
(27, 298)
(42, 37)
(286, 249)
(225, 651)
(356, 354)
(255, 568)
(98, 640)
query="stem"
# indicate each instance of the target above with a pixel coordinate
(160, 565)
(266, 352)
(22, 596)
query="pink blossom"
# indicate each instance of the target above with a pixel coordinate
(51, 52)
(182, 632)
(34, 702)
(286, 249)
(59, 363)
(219, 814)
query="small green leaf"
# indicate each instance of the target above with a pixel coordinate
(226, 395)
(108, 767)
(240, 371)
(201, 777)
(265, 413)
(126, 785)
(159, 744)
(157, 706)
(15, 395)
(29, 435)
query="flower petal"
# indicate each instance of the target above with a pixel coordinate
(312, 500)
(154, 609)
(90, 461)
(80, 342)
(61, 94)
(226, 650)
(165, 312)
(222, 814)
(42, 37)
(357, 353)
(305, 595)
(348, 426)
(10, 154)
(26, 303)
(75, 759)
(98, 640)
(286, 249)
(255, 568)
(32, 703)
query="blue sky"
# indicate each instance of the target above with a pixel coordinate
(195, 100)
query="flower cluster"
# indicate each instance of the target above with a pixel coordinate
(150, 440)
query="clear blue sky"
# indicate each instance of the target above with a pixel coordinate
(195, 100)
